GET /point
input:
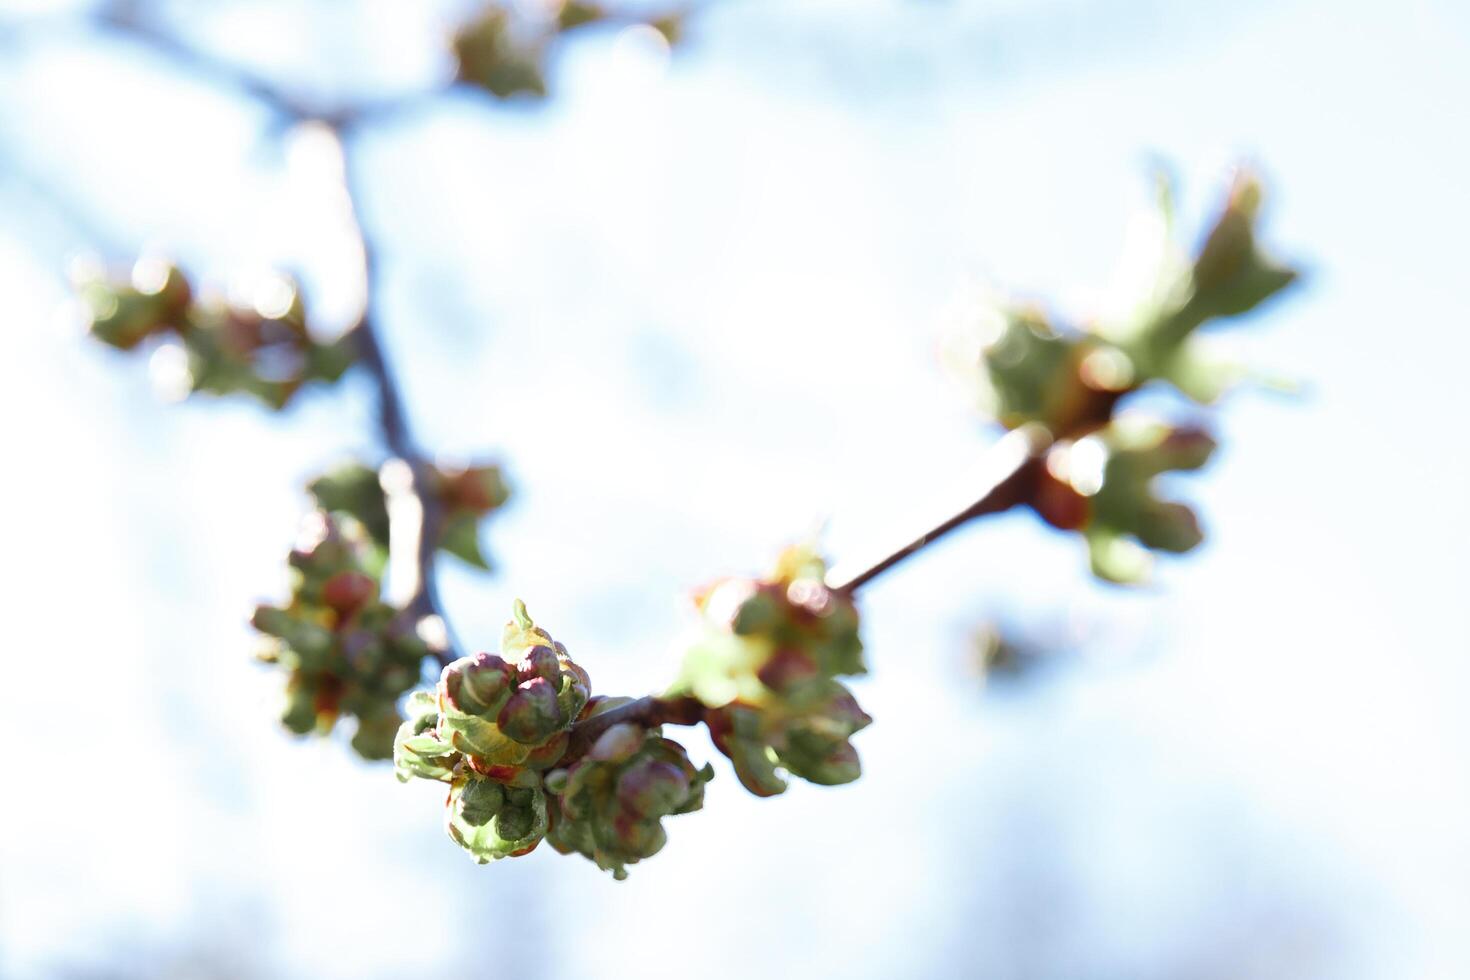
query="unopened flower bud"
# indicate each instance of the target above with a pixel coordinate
(609, 806)
(477, 685)
(347, 591)
(540, 661)
(617, 744)
(532, 714)
(492, 821)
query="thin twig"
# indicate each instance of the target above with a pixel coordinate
(1004, 480)
(123, 17)
(1001, 481)
(413, 548)
(426, 519)
(649, 712)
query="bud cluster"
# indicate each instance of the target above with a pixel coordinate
(492, 727)
(1098, 473)
(1032, 371)
(505, 49)
(465, 495)
(263, 348)
(609, 805)
(346, 652)
(766, 668)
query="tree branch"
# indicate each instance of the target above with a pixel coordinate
(1005, 479)
(415, 513)
(124, 18)
(1002, 480)
(649, 712)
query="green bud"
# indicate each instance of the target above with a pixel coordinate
(477, 685)
(460, 536)
(417, 748)
(124, 315)
(825, 765)
(540, 661)
(422, 708)
(1028, 370)
(516, 822)
(576, 13)
(556, 781)
(652, 786)
(778, 639)
(354, 489)
(809, 740)
(349, 654)
(494, 55)
(610, 804)
(483, 740)
(787, 670)
(736, 731)
(299, 714)
(532, 714)
(376, 731)
(479, 801)
(760, 612)
(549, 753)
(1111, 477)
(617, 744)
(482, 818)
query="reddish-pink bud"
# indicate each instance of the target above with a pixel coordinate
(346, 592)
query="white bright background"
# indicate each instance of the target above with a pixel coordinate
(696, 307)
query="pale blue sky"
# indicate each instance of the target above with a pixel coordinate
(697, 310)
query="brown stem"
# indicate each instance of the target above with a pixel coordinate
(649, 712)
(422, 537)
(1004, 479)
(422, 593)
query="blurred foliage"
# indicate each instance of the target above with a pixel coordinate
(506, 48)
(465, 497)
(345, 651)
(1103, 485)
(1028, 370)
(264, 349)
(502, 731)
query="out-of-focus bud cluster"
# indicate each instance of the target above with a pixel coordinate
(1031, 370)
(466, 495)
(766, 668)
(506, 48)
(1028, 370)
(609, 805)
(493, 726)
(346, 652)
(263, 348)
(1103, 486)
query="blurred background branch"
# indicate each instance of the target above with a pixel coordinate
(131, 21)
